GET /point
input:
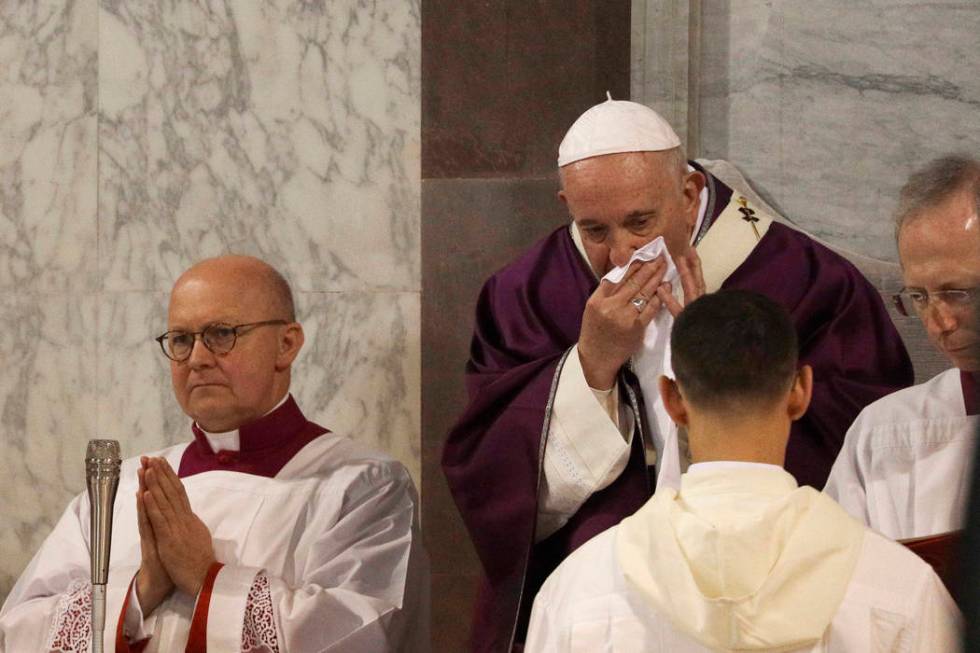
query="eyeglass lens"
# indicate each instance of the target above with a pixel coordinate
(219, 338)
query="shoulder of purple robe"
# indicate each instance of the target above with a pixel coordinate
(845, 335)
(532, 308)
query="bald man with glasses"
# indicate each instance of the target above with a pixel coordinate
(265, 532)
(904, 469)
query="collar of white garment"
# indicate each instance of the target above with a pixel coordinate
(733, 464)
(232, 440)
(702, 209)
(741, 558)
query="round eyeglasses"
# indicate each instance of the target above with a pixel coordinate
(915, 301)
(218, 338)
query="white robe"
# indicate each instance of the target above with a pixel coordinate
(904, 469)
(888, 599)
(335, 532)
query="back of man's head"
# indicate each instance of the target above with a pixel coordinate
(733, 349)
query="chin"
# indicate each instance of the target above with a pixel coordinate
(211, 417)
(213, 424)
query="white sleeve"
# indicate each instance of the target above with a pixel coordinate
(939, 624)
(364, 580)
(50, 604)
(588, 446)
(542, 632)
(846, 482)
(135, 626)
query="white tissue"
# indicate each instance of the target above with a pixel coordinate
(652, 361)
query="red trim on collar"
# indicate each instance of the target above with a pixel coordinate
(971, 392)
(266, 445)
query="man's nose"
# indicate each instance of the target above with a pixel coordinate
(620, 252)
(939, 318)
(200, 356)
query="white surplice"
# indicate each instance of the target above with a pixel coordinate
(904, 469)
(335, 533)
(741, 558)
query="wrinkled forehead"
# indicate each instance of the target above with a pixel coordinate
(196, 301)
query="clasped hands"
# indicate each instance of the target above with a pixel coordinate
(175, 544)
(613, 323)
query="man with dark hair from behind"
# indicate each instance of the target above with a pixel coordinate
(740, 557)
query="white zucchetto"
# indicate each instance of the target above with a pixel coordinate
(613, 127)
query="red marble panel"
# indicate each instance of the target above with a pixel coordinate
(502, 81)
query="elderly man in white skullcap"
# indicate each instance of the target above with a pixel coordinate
(565, 434)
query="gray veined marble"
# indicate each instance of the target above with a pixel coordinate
(287, 130)
(827, 106)
(47, 146)
(48, 406)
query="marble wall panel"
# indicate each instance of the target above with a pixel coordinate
(660, 68)
(283, 129)
(47, 414)
(48, 275)
(48, 157)
(828, 106)
(136, 138)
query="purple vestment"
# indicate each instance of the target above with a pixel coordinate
(529, 315)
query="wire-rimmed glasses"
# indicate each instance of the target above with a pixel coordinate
(914, 301)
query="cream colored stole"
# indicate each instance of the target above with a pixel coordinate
(730, 240)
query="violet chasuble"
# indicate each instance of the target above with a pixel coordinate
(528, 317)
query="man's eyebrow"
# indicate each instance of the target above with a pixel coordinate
(181, 326)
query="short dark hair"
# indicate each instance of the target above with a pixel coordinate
(733, 348)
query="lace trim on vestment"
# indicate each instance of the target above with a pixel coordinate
(259, 634)
(71, 626)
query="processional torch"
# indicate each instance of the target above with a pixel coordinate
(102, 477)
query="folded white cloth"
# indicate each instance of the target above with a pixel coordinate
(652, 361)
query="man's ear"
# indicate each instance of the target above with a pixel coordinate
(694, 183)
(290, 342)
(562, 198)
(801, 393)
(673, 401)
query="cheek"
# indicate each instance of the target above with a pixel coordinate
(598, 256)
(249, 377)
(178, 375)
